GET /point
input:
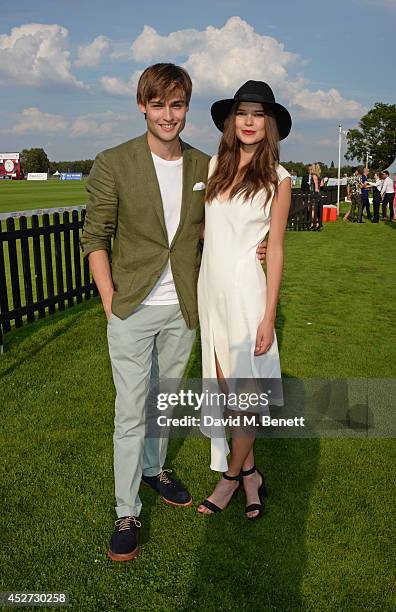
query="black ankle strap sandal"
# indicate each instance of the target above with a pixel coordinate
(262, 493)
(213, 507)
(237, 477)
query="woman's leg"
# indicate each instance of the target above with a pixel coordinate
(319, 206)
(241, 447)
(251, 484)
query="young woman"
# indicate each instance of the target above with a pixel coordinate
(247, 191)
(317, 207)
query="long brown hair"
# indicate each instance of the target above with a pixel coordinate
(259, 174)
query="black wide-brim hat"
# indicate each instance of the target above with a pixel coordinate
(253, 91)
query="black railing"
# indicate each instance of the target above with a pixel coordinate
(41, 265)
(304, 209)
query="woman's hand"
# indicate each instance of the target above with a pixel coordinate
(261, 251)
(264, 337)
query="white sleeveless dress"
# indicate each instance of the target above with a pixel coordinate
(232, 294)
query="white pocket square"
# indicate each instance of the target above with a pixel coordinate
(199, 186)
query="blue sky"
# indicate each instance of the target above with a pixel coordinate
(68, 70)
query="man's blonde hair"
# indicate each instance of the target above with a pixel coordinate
(161, 81)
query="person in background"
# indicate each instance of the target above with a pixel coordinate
(365, 193)
(354, 190)
(304, 193)
(376, 185)
(394, 199)
(387, 194)
(317, 207)
(305, 183)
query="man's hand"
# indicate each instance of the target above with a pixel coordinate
(100, 268)
(261, 251)
(107, 305)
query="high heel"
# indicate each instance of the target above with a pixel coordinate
(213, 507)
(262, 493)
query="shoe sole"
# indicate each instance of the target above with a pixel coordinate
(125, 557)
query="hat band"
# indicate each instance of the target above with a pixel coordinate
(253, 98)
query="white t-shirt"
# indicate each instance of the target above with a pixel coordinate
(170, 180)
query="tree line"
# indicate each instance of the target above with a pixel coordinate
(36, 160)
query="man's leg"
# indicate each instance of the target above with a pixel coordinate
(360, 208)
(170, 358)
(131, 342)
(369, 215)
(388, 199)
(376, 205)
(353, 207)
(384, 207)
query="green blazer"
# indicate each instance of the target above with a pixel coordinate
(125, 203)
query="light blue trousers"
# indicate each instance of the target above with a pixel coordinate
(153, 343)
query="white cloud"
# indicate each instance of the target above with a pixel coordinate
(200, 134)
(149, 45)
(326, 104)
(219, 60)
(118, 87)
(36, 54)
(95, 124)
(34, 120)
(91, 54)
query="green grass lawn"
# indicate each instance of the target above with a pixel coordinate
(326, 541)
(28, 195)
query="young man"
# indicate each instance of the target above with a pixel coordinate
(149, 194)
(387, 195)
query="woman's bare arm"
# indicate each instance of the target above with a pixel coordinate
(279, 214)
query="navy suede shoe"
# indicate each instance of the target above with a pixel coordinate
(124, 541)
(171, 491)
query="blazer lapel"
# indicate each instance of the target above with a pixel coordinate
(189, 165)
(152, 186)
(153, 190)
